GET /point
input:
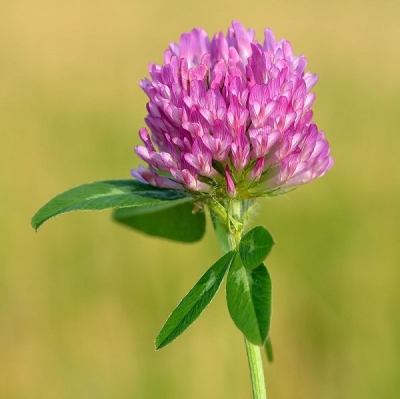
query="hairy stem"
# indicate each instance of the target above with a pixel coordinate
(229, 237)
(256, 370)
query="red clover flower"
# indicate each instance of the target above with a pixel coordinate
(229, 120)
(230, 117)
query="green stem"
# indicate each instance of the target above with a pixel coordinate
(229, 235)
(256, 370)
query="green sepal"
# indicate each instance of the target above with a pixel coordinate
(169, 219)
(255, 246)
(248, 294)
(107, 195)
(193, 304)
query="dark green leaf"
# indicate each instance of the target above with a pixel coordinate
(167, 219)
(248, 294)
(268, 350)
(106, 195)
(193, 304)
(255, 246)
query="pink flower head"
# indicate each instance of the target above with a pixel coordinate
(231, 117)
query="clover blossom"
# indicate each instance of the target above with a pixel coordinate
(229, 120)
(230, 117)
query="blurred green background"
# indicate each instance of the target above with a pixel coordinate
(82, 300)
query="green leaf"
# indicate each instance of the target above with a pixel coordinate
(268, 350)
(106, 195)
(255, 246)
(167, 219)
(193, 304)
(248, 294)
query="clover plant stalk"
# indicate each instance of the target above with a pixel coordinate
(239, 211)
(256, 370)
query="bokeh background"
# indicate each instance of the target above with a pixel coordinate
(82, 300)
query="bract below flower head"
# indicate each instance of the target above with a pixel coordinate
(231, 117)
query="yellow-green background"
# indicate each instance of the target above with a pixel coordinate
(82, 300)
